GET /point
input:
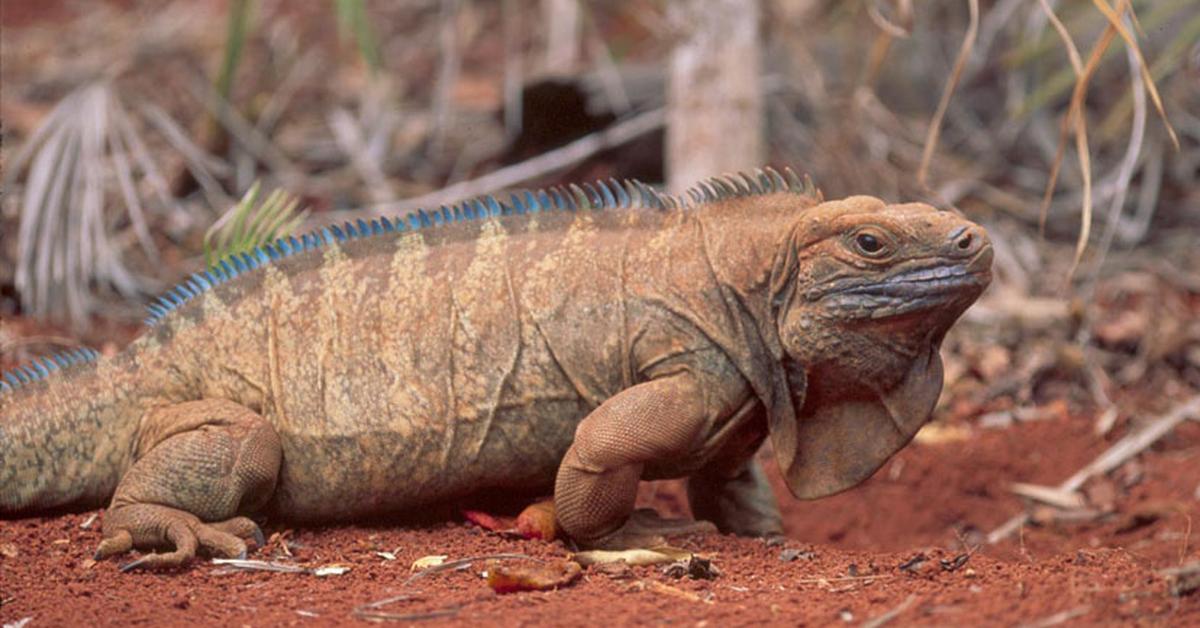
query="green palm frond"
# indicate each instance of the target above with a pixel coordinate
(252, 223)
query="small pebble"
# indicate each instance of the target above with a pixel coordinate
(791, 554)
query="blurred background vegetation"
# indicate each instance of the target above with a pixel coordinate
(132, 127)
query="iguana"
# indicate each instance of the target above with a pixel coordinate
(582, 339)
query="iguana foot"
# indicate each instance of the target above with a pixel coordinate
(645, 528)
(740, 502)
(148, 525)
(201, 464)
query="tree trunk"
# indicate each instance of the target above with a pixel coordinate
(562, 19)
(714, 94)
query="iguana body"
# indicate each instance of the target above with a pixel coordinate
(550, 345)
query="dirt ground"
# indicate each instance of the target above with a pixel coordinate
(906, 546)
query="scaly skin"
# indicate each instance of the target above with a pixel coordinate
(583, 351)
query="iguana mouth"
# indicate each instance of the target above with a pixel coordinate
(910, 291)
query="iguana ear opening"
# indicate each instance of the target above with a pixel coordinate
(832, 446)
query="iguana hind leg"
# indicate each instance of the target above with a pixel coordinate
(201, 464)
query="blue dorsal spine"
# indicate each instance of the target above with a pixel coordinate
(39, 369)
(600, 195)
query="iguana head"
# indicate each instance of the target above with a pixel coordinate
(868, 294)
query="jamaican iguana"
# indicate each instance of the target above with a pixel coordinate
(582, 339)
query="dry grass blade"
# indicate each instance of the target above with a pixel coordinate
(935, 125)
(203, 166)
(826, 580)
(259, 565)
(1114, 21)
(1077, 120)
(1171, 59)
(889, 30)
(448, 71)
(404, 617)
(243, 132)
(1126, 169)
(899, 31)
(350, 138)
(1077, 65)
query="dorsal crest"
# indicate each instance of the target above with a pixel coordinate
(41, 368)
(600, 195)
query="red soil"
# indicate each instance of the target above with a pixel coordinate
(929, 500)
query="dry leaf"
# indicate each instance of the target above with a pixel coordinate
(938, 432)
(508, 578)
(537, 521)
(425, 562)
(485, 520)
(652, 556)
(330, 569)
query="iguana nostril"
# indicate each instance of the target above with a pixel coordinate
(965, 242)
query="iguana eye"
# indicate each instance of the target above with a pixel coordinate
(870, 244)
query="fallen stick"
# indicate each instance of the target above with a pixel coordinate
(890, 615)
(1056, 497)
(1060, 617)
(1113, 457)
(515, 174)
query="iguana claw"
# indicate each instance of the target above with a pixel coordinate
(146, 525)
(130, 566)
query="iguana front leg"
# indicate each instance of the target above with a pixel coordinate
(741, 502)
(597, 480)
(201, 464)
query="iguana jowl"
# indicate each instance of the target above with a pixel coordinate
(583, 339)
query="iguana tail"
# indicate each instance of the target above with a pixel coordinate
(68, 427)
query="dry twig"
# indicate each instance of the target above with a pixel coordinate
(515, 174)
(1057, 497)
(1113, 457)
(935, 125)
(890, 615)
(1061, 617)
